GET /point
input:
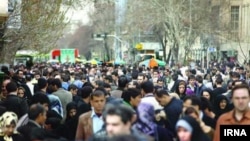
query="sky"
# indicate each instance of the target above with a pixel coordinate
(79, 15)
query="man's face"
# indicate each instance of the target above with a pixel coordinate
(98, 103)
(37, 76)
(20, 74)
(155, 74)
(115, 126)
(186, 104)
(192, 82)
(140, 79)
(4, 91)
(135, 101)
(160, 83)
(42, 118)
(241, 99)
(161, 100)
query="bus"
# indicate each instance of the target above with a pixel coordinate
(24, 57)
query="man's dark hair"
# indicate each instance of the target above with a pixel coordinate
(175, 77)
(123, 111)
(134, 75)
(141, 74)
(97, 93)
(41, 83)
(148, 87)
(85, 91)
(39, 98)
(106, 85)
(56, 82)
(72, 87)
(160, 93)
(196, 101)
(241, 86)
(199, 79)
(219, 80)
(109, 78)
(191, 77)
(242, 82)
(235, 75)
(101, 88)
(65, 77)
(28, 77)
(130, 93)
(122, 81)
(115, 73)
(35, 110)
(11, 87)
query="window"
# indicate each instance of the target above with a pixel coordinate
(235, 16)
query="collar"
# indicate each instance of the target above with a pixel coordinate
(93, 114)
(34, 122)
(149, 95)
(12, 93)
(231, 116)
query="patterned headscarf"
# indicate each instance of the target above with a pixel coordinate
(7, 119)
(145, 122)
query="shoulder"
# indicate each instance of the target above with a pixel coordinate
(225, 117)
(85, 115)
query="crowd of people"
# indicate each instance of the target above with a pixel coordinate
(76, 102)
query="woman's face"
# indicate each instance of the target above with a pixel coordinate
(9, 129)
(72, 112)
(183, 134)
(20, 93)
(206, 95)
(181, 89)
(223, 104)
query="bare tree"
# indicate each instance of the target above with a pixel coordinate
(177, 22)
(38, 24)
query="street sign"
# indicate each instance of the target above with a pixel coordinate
(139, 46)
(67, 55)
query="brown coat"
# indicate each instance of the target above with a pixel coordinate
(228, 119)
(84, 127)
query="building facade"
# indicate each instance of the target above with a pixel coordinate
(233, 21)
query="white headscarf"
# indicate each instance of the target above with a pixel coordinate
(6, 119)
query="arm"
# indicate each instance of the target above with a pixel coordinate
(80, 133)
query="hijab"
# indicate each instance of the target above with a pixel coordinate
(145, 122)
(6, 119)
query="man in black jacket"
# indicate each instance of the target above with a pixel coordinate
(13, 102)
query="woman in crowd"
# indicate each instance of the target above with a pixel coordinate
(188, 129)
(8, 122)
(221, 105)
(146, 124)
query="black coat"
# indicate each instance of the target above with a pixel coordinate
(15, 137)
(15, 104)
(31, 131)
